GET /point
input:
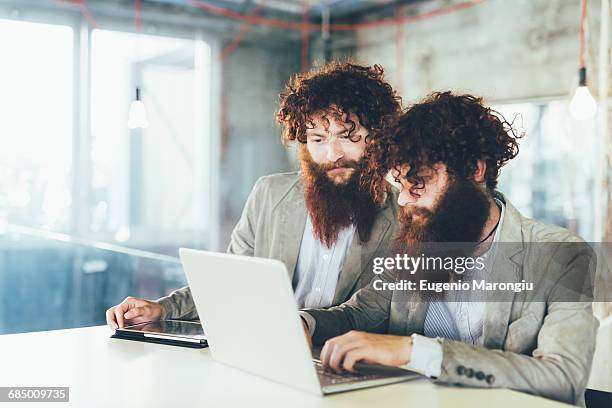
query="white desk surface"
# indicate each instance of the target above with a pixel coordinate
(105, 372)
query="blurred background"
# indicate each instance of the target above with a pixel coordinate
(131, 128)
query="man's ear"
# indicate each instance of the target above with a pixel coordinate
(479, 173)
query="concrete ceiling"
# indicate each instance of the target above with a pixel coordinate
(185, 13)
(337, 8)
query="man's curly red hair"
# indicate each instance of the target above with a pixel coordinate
(453, 129)
(348, 88)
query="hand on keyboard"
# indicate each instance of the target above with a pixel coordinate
(343, 352)
(338, 378)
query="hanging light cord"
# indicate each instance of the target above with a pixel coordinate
(583, 14)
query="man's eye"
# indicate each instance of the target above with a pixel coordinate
(315, 140)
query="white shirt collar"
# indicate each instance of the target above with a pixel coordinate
(502, 208)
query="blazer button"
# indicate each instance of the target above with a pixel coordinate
(469, 373)
(490, 379)
(480, 375)
(461, 370)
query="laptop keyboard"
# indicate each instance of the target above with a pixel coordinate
(331, 377)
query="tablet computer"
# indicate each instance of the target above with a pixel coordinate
(172, 332)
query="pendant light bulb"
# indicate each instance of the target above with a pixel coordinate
(137, 118)
(583, 106)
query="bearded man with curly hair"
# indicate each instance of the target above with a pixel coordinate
(446, 153)
(324, 222)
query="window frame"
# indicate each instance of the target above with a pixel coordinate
(207, 152)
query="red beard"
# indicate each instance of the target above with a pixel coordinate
(459, 216)
(333, 207)
(452, 229)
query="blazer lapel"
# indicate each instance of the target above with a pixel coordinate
(415, 310)
(292, 215)
(506, 268)
(360, 255)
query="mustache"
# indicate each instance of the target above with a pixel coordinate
(459, 216)
(407, 213)
(341, 164)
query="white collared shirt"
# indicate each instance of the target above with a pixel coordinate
(318, 268)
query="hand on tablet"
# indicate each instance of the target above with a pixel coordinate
(133, 311)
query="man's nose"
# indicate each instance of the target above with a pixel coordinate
(405, 197)
(335, 152)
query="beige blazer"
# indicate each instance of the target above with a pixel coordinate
(540, 344)
(272, 225)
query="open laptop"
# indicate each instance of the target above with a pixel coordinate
(247, 307)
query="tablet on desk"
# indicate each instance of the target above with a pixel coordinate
(172, 332)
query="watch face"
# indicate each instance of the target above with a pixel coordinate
(171, 327)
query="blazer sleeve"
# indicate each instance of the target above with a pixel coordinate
(242, 241)
(179, 304)
(367, 310)
(559, 366)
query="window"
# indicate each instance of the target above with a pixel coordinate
(145, 181)
(36, 105)
(69, 167)
(553, 177)
(78, 169)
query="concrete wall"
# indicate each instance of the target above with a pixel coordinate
(500, 49)
(252, 78)
(504, 50)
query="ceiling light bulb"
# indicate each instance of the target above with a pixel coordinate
(583, 105)
(138, 113)
(138, 116)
